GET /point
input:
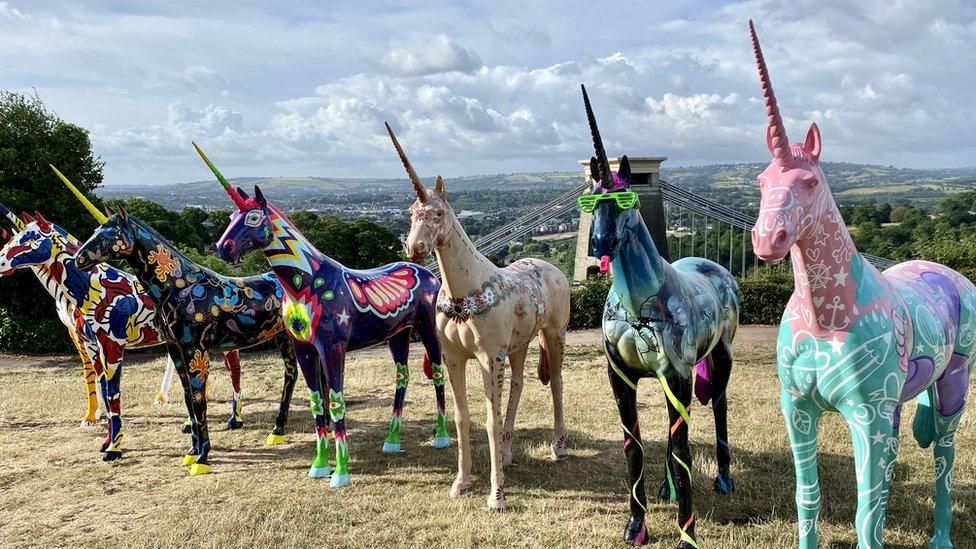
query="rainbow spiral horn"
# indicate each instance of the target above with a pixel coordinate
(99, 216)
(234, 195)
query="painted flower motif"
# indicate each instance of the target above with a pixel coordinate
(337, 405)
(199, 363)
(315, 403)
(402, 376)
(297, 319)
(166, 266)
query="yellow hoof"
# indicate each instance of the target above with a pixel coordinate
(161, 398)
(86, 422)
(200, 469)
(330, 436)
(189, 460)
(274, 440)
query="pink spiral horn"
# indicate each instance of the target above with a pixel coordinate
(776, 140)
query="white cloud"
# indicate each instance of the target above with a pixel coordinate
(422, 54)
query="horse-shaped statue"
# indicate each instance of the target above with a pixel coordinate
(856, 341)
(329, 310)
(197, 311)
(106, 311)
(489, 313)
(668, 321)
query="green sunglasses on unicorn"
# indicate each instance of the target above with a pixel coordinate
(625, 200)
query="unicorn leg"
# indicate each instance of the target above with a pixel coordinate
(802, 419)
(870, 434)
(624, 385)
(462, 422)
(669, 490)
(232, 362)
(400, 349)
(91, 389)
(553, 343)
(950, 402)
(334, 360)
(111, 391)
(678, 392)
(176, 356)
(287, 352)
(493, 374)
(199, 367)
(162, 397)
(721, 362)
(308, 360)
(434, 370)
(517, 361)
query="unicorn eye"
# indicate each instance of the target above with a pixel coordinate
(253, 218)
(811, 182)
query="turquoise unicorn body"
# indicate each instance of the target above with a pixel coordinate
(856, 341)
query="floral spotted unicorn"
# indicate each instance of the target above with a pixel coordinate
(856, 341)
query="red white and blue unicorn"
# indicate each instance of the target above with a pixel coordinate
(674, 322)
(856, 341)
(329, 310)
(197, 312)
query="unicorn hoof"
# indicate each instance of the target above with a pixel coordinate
(391, 448)
(189, 459)
(87, 422)
(635, 533)
(338, 481)
(559, 451)
(496, 502)
(112, 455)
(198, 469)
(274, 440)
(161, 398)
(459, 488)
(320, 472)
(442, 442)
(940, 542)
(233, 424)
(724, 486)
(104, 447)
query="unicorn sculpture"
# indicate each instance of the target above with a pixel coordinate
(105, 310)
(489, 314)
(197, 311)
(856, 341)
(329, 310)
(674, 322)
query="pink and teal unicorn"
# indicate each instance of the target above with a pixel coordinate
(856, 341)
(329, 310)
(671, 321)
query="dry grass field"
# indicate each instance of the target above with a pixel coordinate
(55, 490)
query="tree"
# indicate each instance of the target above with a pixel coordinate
(31, 137)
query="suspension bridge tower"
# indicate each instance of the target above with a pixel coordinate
(645, 180)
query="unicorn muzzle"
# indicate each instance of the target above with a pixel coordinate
(772, 245)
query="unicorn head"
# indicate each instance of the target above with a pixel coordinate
(37, 243)
(429, 219)
(250, 226)
(794, 194)
(613, 205)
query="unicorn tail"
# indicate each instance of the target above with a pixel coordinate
(543, 360)
(923, 427)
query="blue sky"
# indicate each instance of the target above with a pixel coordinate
(303, 88)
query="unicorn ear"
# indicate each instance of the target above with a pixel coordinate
(259, 196)
(108, 212)
(42, 223)
(624, 169)
(28, 218)
(812, 143)
(594, 169)
(119, 209)
(439, 185)
(243, 194)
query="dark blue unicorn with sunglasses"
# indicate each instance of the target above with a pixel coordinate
(665, 321)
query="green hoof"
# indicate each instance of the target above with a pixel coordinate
(189, 459)
(391, 448)
(442, 442)
(320, 472)
(274, 440)
(198, 469)
(338, 481)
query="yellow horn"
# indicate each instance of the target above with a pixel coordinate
(99, 216)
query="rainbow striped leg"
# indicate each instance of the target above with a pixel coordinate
(802, 419)
(678, 392)
(624, 388)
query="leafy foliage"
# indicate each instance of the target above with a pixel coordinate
(586, 303)
(763, 297)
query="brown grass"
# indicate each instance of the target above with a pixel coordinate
(54, 489)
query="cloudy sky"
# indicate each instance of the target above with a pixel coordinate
(303, 88)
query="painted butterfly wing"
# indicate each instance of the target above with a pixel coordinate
(383, 293)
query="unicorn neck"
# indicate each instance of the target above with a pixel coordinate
(638, 268)
(56, 279)
(823, 282)
(463, 267)
(289, 250)
(156, 262)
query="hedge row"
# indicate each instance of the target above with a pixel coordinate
(39, 334)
